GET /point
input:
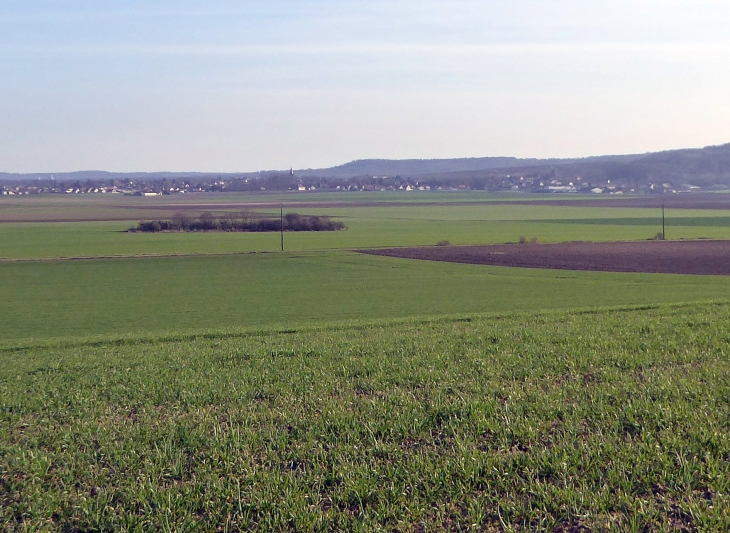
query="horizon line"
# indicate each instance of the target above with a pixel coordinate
(357, 161)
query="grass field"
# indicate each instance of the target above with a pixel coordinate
(370, 227)
(321, 389)
(307, 286)
(78, 298)
(613, 420)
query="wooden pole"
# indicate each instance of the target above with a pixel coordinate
(281, 226)
(664, 235)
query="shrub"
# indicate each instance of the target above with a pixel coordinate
(208, 222)
(152, 226)
(181, 221)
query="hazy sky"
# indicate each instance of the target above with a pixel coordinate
(248, 85)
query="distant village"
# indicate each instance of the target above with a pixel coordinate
(288, 181)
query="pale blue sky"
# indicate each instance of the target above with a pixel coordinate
(249, 85)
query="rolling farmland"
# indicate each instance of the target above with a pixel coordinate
(504, 309)
(186, 381)
(387, 223)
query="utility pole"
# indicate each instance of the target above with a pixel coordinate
(281, 226)
(664, 235)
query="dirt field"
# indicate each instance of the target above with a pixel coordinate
(672, 257)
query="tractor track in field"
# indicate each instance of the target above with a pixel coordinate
(130, 256)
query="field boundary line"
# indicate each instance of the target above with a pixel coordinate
(144, 256)
(165, 337)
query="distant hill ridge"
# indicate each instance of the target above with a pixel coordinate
(422, 167)
(704, 166)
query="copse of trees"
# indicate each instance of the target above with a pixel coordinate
(239, 222)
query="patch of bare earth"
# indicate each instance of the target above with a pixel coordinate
(672, 257)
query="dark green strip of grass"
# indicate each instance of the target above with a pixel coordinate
(611, 420)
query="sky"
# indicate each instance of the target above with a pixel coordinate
(249, 85)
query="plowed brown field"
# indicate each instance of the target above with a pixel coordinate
(672, 257)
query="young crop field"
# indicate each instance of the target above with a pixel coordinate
(52, 298)
(371, 226)
(592, 421)
(79, 298)
(207, 381)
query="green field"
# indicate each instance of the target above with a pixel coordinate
(225, 385)
(369, 227)
(317, 279)
(604, 421)
(78, 298)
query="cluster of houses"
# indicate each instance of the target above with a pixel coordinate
(20, 190)
(372, 187)
(129, 188)
(528, 184)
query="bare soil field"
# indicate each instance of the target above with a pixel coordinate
(707, 257)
